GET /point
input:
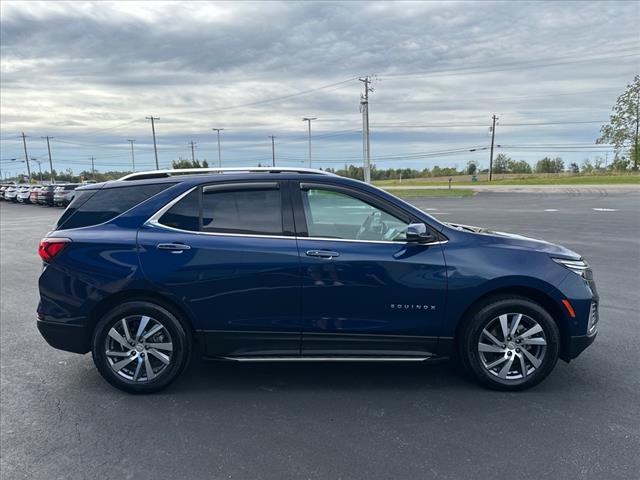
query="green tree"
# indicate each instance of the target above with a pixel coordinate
(574, 168)
(587, 166)
(619, 164)
(519, 166)
(182, 163)
(550, 165)
(622, 129)
(501, 163)
(472, 168)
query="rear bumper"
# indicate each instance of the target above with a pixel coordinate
(64, 336)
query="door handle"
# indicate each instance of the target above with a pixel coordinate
(322, 254)
(173, 247)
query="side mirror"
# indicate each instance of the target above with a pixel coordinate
(418, 232)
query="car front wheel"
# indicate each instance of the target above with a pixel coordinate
(140, 347)
(510, 343)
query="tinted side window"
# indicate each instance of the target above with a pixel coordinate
(105, 204)
(242, 211)
(185, 214)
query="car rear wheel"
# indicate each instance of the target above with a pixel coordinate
(140, 347)
(510, 343)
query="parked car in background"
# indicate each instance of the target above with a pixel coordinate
(23, 194)
(3, 188)
(45, 195)
(33, 195)
(10, 193)
(64, 194)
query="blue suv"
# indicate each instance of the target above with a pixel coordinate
(269, 264)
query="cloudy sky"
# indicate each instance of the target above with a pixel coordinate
(88, 73)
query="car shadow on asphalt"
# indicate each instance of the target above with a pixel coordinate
(202, 376)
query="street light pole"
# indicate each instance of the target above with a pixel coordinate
(308, 120)
(273, 150)
(153, 131)
(133, 158)
(218, 130)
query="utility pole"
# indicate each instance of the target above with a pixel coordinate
(637, 152)
(53, 178)
(193, 154)
(273, 149)
(366, 145)
(93, 170)
(26, 157)
(133, 158)
(493, 136)
(309, 120)
(153, 130)
(218, 130)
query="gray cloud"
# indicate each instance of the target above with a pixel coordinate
(90, 72)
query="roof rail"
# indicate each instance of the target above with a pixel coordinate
(189, 171)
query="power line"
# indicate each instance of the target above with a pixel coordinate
(507, 66)
(484, 125)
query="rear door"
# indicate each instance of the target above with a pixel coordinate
(365, 290)
(228, 252)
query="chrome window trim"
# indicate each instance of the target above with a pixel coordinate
(154, 221)
(157, 224)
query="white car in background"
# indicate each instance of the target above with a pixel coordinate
(23, 194)
(11, 193)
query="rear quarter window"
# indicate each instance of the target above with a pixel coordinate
(92, 207)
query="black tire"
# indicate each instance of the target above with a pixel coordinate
(179, 356)
(484, 316)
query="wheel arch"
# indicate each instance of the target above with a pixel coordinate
(538, 296)
(112, 301)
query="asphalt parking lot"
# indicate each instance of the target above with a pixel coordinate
(59, 419)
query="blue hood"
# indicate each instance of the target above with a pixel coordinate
(519, 241)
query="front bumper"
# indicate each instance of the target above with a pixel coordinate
(578, 344)
(65, 336)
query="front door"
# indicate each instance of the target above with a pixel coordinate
(365, 290)
(228, 252)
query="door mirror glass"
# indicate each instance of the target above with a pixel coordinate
(418, 232)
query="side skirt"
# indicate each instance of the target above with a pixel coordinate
(255, 359)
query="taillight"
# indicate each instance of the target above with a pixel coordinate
(50, 248)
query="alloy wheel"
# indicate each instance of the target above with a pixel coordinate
(512, 346)
(138, 348)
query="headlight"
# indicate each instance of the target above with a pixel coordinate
(579, 267)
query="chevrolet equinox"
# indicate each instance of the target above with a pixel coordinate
(267, 264)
